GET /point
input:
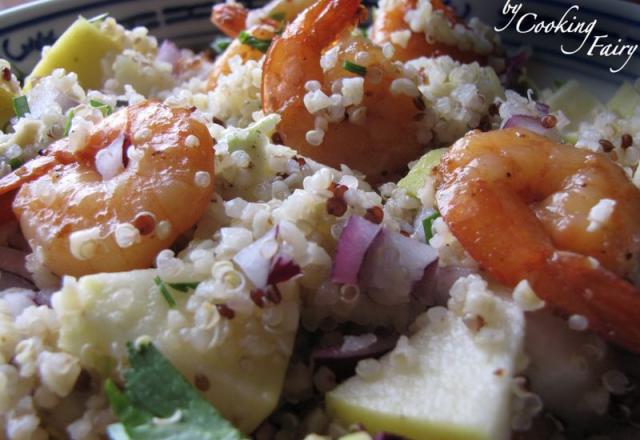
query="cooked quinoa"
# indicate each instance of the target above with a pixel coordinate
(264, 347)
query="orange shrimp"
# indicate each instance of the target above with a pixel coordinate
(386, 135)
(522, 205)
(230, 18)
(86, 220)
(391, 18)
(238, 48)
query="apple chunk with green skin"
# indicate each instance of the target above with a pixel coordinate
(79, 49)
(415, 178)
(238, 364)
(458, 387)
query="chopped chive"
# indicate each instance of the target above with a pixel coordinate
(67, 125)
(15, 163)
(98, 18)
(558, 84)
(256, 43)
(427, 224)
(165, 292)
(278, 16)
(20, 106)
(104, 108)
(354, 68)
(220, 44)
(183, 287)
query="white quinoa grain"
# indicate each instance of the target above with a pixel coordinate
(126, 235)
(192, 141)
(578, 323)
(404, 86)
(163, 229)
(83, 243)
(314, 137)
(202, 179)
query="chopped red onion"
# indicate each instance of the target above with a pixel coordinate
(109, 160)
(168, 52)
(542, 108)
(392, 266)
(283, 268)
(12, 260)
(356, 237)
(528, 122)
(10, 280)
(264, 263)
(387, 436)
(433, 289)
(342, 359)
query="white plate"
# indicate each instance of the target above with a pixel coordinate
(25, 30)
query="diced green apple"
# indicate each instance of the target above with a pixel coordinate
(79, 49)
(626, 100)
(241, 374)
(458, 388)
(414, 180)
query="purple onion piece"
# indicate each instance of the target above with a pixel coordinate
(543, 108)
(168, 52)
(433, 289)
(283, 269)
(393, 265)
(514, 68)
(9, 280)
(356, 237)
(13, 261)
(528, 122)
(253, 262)
(342, 359)
(388, 436)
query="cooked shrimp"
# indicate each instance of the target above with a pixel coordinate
(144, 177)
(246, 52)
(381, 130)
(230, 18)
(233, 18)
(523, 207)
(391, 19)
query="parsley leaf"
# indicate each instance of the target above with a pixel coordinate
(165, 292)
(220, 44)
(354, 68)
(104, 108)
(20, 106)
(427, 224)
(156, 390)
(183, 287)
(256, 43)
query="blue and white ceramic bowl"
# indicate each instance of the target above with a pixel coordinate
(24, 30)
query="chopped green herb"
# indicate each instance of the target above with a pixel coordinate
(67, 125)
(220, 44)
(155, 390)
(15, 163)
(354, 68)
(104, 108)
(278, 16)
(20, 106)
(20, 75)
(183, 287)
(165, 292)
(558, 84)
(98, 18)
(427, 224)
(256, 43)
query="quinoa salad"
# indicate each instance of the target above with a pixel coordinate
(334, 223)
